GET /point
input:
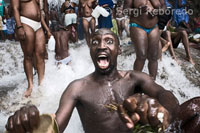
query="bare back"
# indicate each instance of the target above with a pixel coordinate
(62, 48)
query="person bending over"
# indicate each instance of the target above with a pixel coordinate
(62, 38)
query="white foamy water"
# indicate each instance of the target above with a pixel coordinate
(47, 96)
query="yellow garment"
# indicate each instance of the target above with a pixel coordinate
(114, 28)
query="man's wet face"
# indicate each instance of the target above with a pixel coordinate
(104, 50)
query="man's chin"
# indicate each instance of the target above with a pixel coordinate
(105, 71)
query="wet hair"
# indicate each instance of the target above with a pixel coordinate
(104, 31)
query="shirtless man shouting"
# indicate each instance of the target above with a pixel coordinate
(29, 22)
(97, 95)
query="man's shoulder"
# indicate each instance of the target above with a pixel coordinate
(82, 81)
(137, 74)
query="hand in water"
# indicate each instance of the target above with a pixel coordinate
(23, 120)
(140, 107)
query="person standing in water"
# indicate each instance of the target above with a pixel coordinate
(29, 22)
(144, 32)
(85, 10)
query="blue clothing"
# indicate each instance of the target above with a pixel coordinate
(2, 5)
(168, 5)
(80, 29)
(145, 29)
(180, 14)
(10, 24)
(105, 22)
(103, 2)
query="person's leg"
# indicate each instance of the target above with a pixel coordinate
(139, 39)
(92, 25)
(160, 50)
(167, 36)
(127, 27)
(165, 44)
(40, 54)
(119, 28)
(185, 41)
(122, 25)
(86, 30)
(28, 47)
(153, 50)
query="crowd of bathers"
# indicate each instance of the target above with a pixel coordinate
(85, 17)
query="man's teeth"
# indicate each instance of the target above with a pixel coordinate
(102, 56)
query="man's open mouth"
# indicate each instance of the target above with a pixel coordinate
(103, 61)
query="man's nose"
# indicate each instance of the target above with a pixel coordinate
(102, 45)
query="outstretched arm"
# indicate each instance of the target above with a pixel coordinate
(152, 105)
(165, 97)
(67, 103)
(27, 118)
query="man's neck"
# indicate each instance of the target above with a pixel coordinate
(25, 0)
(102, 77)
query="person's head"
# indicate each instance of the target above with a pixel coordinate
(73, 30)
(119, 2)
(104, 49)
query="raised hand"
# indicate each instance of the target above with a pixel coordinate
(23, 120)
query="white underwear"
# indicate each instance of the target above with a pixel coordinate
(65, 60)
(70, 18)
(120, 19)
(87, 18)
(33, 24)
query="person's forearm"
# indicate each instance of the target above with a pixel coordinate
(169, 101)
(44, 24)
(17, 16)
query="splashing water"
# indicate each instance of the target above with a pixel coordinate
(46, 97)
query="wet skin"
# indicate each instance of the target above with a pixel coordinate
(85, 10)
(62, 37)
(32, 42)
(146, 45)
(95, 94)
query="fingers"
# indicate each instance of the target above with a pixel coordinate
(142, 109)
(23, 120)
(34, 116)
(166, 116)
(157, 114)
(17, 123)
(153, 113)
(125, 117)
(135, 117)
(10, 125)
(24, 116)
(130, 104)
